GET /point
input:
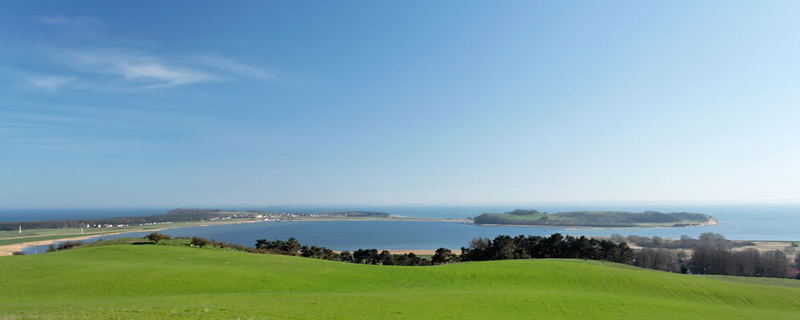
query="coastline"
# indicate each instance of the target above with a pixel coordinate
(710, 222)
(6, 250)
(393, 218)
(9, 249)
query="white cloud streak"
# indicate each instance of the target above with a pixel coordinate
(126, 70)
(69, 21)
(48, 83)
(137, 70)
(234, 67)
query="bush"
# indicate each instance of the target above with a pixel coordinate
(156, 237)
(199, 242)
(64, 245)
(442, 256)
(18, 253)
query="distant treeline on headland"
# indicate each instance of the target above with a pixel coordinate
(177, 215)
(595, 218)
(172, 216)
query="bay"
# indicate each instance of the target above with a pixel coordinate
(740, 222)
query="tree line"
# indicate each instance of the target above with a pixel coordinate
(176, 215)
(748, 262)
(555, 246)
(711, 255)
(362, 256)
(706, 239)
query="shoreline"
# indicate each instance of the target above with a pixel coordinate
(6, 250)
(9, 249)
(710, 222)
(395, 218)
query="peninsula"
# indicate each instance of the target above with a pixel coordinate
(599, 219)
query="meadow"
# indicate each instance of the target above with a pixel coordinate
(174, 281)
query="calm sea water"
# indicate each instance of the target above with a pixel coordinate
(744, 222)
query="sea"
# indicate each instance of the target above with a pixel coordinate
(765, 222)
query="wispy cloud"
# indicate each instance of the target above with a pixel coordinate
(60, 20)
(48, 83)
(160, 75)
(137, 70)
(107, 69)
(234, 67)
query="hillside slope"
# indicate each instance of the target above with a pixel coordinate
(155, 281)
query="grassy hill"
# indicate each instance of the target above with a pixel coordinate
(178, 282)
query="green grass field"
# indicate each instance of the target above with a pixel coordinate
(179, 282)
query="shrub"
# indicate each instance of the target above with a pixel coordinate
(64, 245)
(156, 237)
(199, 242)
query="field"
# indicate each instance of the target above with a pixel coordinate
(178, 282)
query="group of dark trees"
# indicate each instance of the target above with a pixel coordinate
(64, 245)
(289, 247)
(294, 248)
(797, 266)
(362, 256)
(372, 256)
(708, 254)
(554, 246)
(748, 262)
(661, 259)
(177, 215)
(707, 239)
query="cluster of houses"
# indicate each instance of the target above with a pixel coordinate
(105, 225)
(263, 216)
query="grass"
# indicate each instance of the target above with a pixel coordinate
(173, 281)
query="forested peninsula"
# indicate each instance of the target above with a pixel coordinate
(599, 219)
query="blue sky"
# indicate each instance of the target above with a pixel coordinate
(212, 103)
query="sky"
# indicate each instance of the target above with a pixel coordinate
(219, 103)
